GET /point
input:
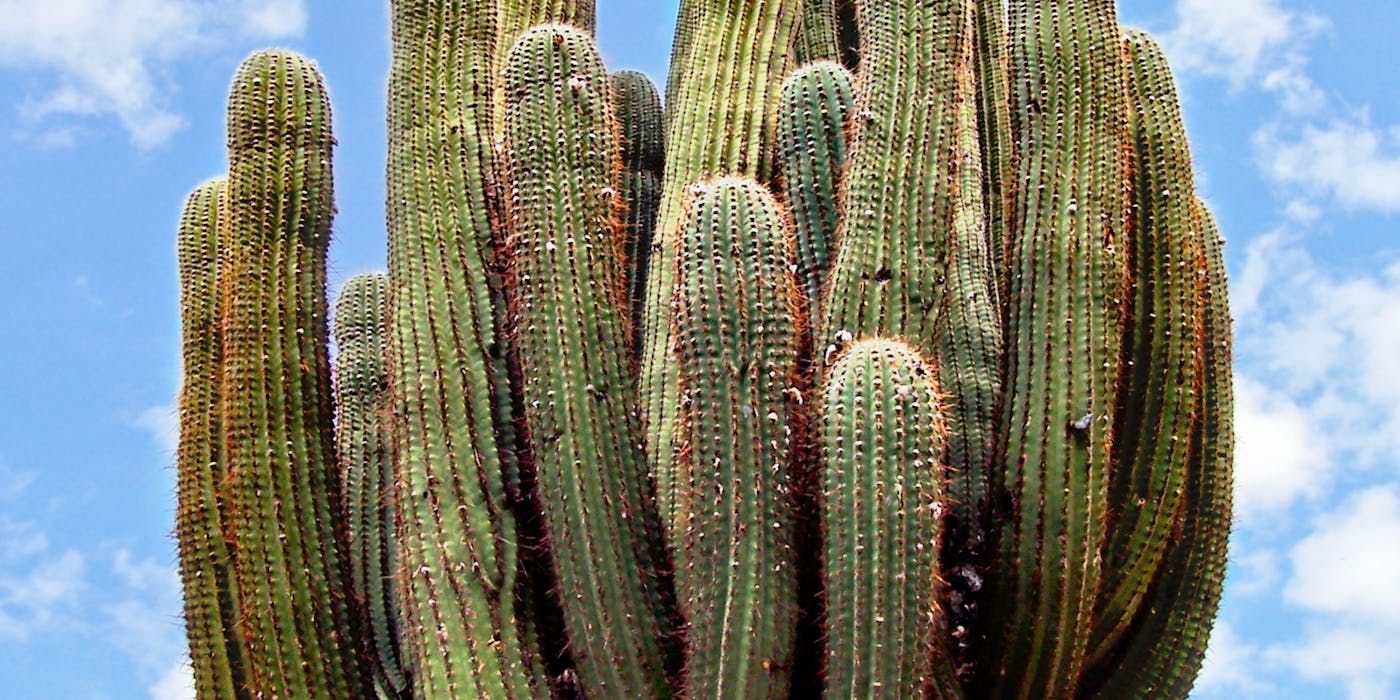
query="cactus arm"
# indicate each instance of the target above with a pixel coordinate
(206, 555)
(719, 122)
(812, 119)
(994, 128)
(817, 34)
(737, 338)
(366, 468)
(456, 529)
(880, 435)
(1064, 321)
(569, 314)
(1162, 654)
(276, 400)
(1159, 395)
(638, 109)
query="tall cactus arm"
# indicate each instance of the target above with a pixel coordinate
(571, 339)
(812, 119)
(720, 122)
(363, 442)
(206, 555)
(1162, 654)
(880, 436)
(818, 34)
(738, 324)
(1066, 296)
(293, 578)
(457, 532)
(516, 16)
(638, 108)
(1160, 393)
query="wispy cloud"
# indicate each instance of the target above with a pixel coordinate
(114, 57)
(1348, 161)
(163, 424)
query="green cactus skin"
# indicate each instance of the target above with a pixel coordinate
(817, 34)
(738, 323)
(720, 122)
(880, 436)
(363, 443)
(294, 598)
(1066, 298)
(516, 16)
(569, 316)
(638, 108)
(994, 128)
(451, 402)
(1162, 654)
(1159, 394)
(206, 557)
(812, 119)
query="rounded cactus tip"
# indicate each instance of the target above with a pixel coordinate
(815, 68)
(557, 32)
(278, 97)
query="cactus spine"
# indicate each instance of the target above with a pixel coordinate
(720, 122)
(457, 532)
(738, 323)
(1066, 294)
(276, 397)
(206, 555)
(363, 442)
(571, 337)
(1160, 390)
(638, 109)
(816, 103)
(880, 436)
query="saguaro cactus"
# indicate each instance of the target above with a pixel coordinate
(881, 434)
(738, 320)
(206, 557)
(293, 586)
(581, 394)
(570, 321)
(363, 443)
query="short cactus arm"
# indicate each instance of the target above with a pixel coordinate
(451, 400)
(1159, 396)
(363, 443)
(812, 153)
(720, 121)
(738, 322)
(206, 555)
(1066, 295)
(276, 402)
(881, 436)
(569, 313)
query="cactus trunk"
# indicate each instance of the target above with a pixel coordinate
(569, 312)
(638, 108)
(738, 325)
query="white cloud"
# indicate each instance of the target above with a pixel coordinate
(1246, 42)
(113, 57)
(1348, 161)
(1350, 565)
(1230, 665)
(1254, 572)
(1280, 456)
(31, 600)
(1361, 657)
(163, 424)
(176, 684)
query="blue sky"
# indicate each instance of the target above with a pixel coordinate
(111, 110)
